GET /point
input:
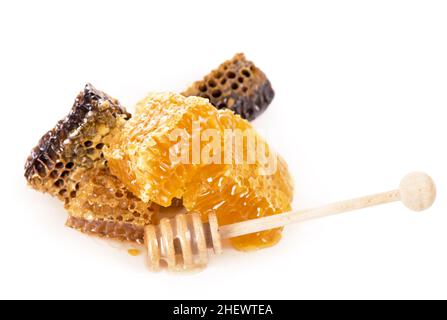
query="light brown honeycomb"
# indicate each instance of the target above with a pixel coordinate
(139, 155)
(68, 162)
(101, 199)
(238, 85)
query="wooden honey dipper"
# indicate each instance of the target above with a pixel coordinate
(183, 242)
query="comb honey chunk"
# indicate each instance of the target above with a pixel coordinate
(69, 163)
(237, 84)
(140, 155)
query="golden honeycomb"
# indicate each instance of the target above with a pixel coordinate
(141, 152)
(68, 163)
(238, 85)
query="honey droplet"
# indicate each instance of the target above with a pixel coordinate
(134, 252)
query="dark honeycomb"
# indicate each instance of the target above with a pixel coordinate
(69, 164)
(237, 84)
(74, 144)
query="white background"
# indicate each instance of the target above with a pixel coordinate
(361, 94)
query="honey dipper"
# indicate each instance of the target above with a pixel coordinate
(183, 241)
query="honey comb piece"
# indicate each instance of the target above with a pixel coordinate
(62, 162)
(238, 85)
(104, 206)
(110, 229)
(139, 155)
(74, 145)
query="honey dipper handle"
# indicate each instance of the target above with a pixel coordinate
(417, 191)
(280, 220)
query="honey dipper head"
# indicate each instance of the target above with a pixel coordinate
(417, 191)
(181, 243)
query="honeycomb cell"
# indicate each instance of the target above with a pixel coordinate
(66, 157)
(238, 85)
(151, 156)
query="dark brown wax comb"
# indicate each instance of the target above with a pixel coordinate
(68, 163)
(237, 84)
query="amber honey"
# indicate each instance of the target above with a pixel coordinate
(140, 155)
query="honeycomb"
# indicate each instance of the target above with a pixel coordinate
(238, 85)
(69, 163)
(140, 154)
(104, 206)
